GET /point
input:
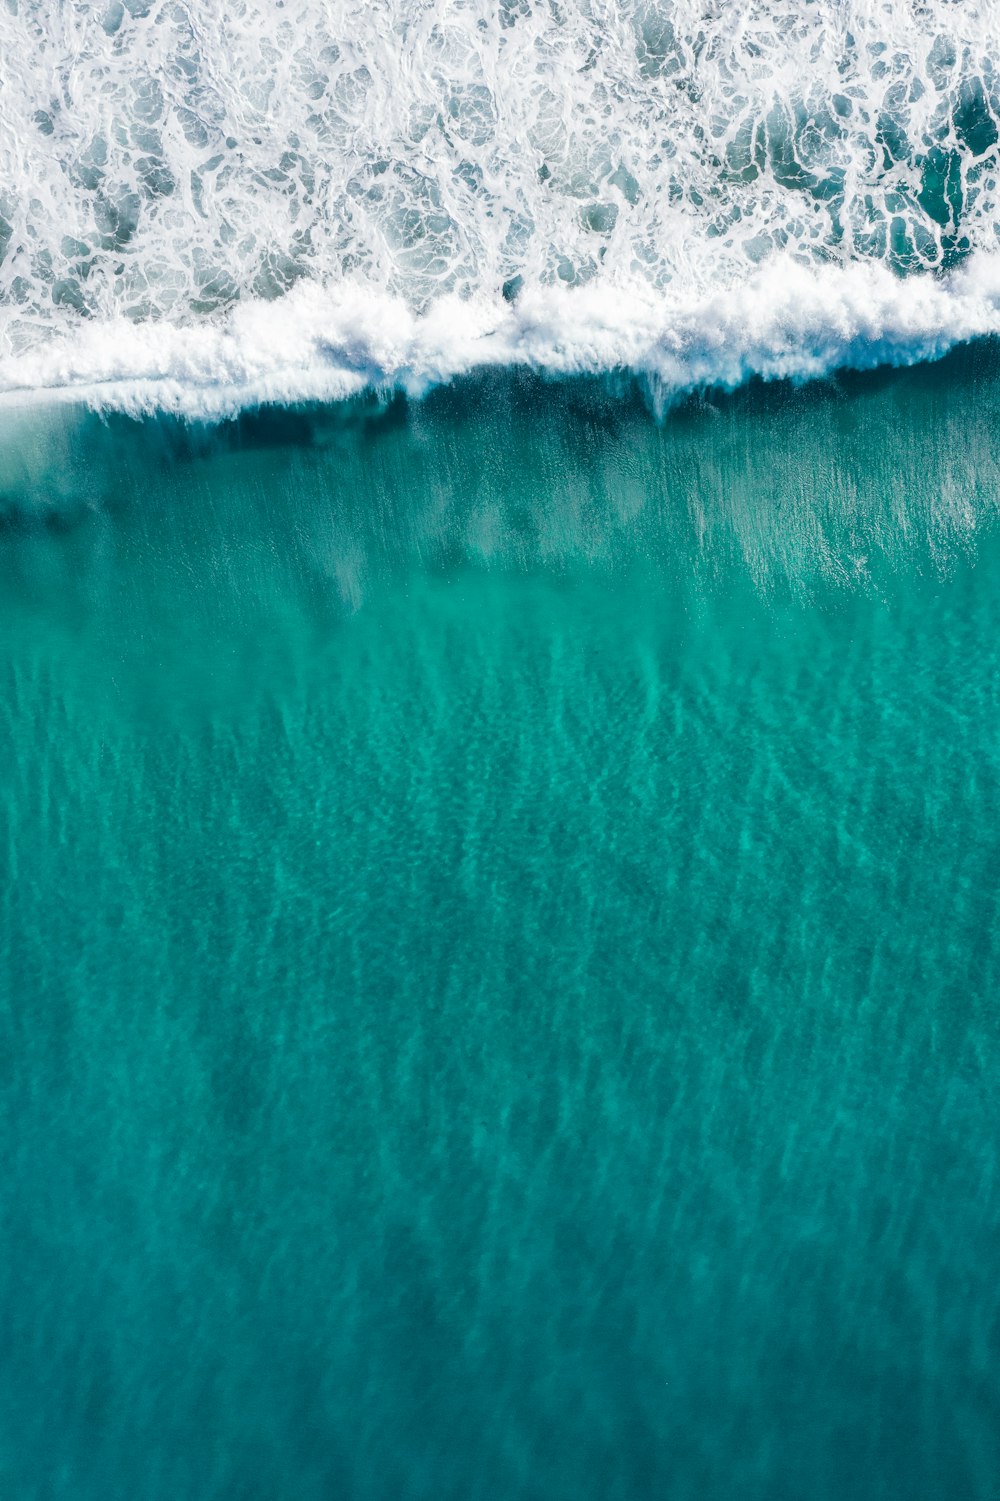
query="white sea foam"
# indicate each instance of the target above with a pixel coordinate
(326, 344)
(254, 200)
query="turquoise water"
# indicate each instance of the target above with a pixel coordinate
(499, 948)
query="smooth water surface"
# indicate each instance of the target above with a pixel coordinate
(499, 950)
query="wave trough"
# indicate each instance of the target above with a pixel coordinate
(206, 208)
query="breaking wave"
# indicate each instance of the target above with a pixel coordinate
(210, 206)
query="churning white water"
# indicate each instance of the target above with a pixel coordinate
(207, 204)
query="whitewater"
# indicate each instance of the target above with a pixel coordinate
(210, 206)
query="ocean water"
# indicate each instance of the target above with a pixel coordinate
(499, 950)
(498, 701)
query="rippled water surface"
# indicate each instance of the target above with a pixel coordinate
(499, 952)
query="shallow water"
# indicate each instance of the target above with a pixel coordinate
(499, 948)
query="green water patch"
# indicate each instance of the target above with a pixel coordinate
(498, 947)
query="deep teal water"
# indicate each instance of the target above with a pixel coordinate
(499, 952)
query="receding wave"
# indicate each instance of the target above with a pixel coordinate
(205, 207)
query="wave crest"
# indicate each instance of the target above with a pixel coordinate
(786, 322)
